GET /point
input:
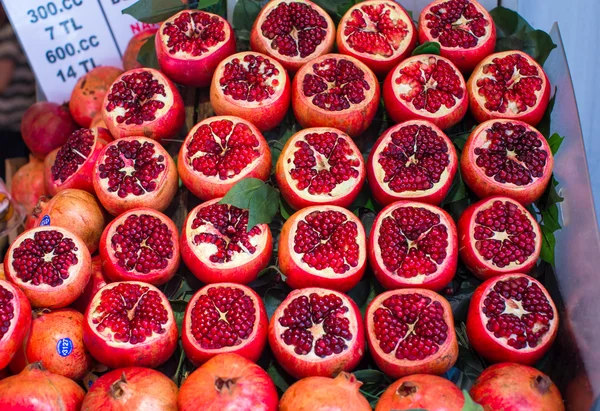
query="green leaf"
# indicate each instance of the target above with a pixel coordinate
(285, 209)
(259, 198)
(363, 200)
(470, 405)
(336, 9)
(370, 376)
(147, 55)
(153, 11)
(550, 219)
(429, 47)
(544, 124)
(548, 244)
(277, 377)
(244, 14)
(550, 197)
(554, 142)
(458, 190)
(204, 4)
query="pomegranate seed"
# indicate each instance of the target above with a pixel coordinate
(7, 310)
(72, 155)
(456, 24)
(136, 94)
(254, 79)
(194, 33)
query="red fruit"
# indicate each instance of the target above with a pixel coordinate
(293, 32)
(509, 158)
(320, 166)
(228, 382)
(317, 332)
(220, 151)
(15, 312)
(224, 318)
(50, 264)
(463, 28)
(132, 388)
(252, 86)
(135, 172)
(411, 331)
(380, 33)
(413, 244)
(143, 102)
(98, 122)
(324, 393)
(413, 160)
(132, 51)
(130, 323)
(190, 45)
(426, 87)
(28, 184)
(97, 281)
(336, 91)
(509, 85)
(515, 387)
(46, 126)
(88, 94)
(323, 246)
(498, 236)
(217, 247)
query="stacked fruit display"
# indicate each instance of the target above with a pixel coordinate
(99, 258)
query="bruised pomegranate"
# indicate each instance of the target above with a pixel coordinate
(97, 280)
(336, 91)
(252, 86)
(130, 56)
(130, 323)
(323, 246)
(15, 313)
(217, 246)
(46, 126)
(28, 184)
(411, 331)
(320, 166)
(220, 151)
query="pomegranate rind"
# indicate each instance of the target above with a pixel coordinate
(130, 55)
(19, 326)
(28, 184)
(97, 281)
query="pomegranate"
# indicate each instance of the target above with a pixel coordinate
(28, 185)
(320, 166)
(413, 160)
(507, 157)
(141, 244)
(50, 264)
(132, 388)
(48, 163)
(509, 85)
(292, 31)
(46, 126)
(217, 246)
(413, 244)
(411, 331)
(323, 393)
(252, 86)
(130, 56)
(135, 172)
(143, 102)
(130, 323)
(317, 332)
(380, 33)
(228, 382)
(220, 151)
(98, 121)
(463, 28)
(15, 312)
(336, 91)
(97, 281)
(515, 387)
(323, 246)
(224, 318)
(498, 236)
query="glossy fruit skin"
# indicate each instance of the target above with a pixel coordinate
(238, 384)
(28, 184)
(515, 387)
(132, 51)
(46, 126)
(97, 281)
(13, 339)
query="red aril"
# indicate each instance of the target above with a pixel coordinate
(15, 312)
(46, 126)
(220, 151)
(413, 160)
(130, 56)
(28, 185)
(320, 166)
(411, 331)
(413, 244)
(323, 246)
(97, 281)
(317, 332)
(252, 86)
(224, 318)
(336, 91)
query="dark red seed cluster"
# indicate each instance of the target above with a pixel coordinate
(7, 310)
(253, 79)
(136, 94)
(73, 154)
(194, 33)
(456, 24)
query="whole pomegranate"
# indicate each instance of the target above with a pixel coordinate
(46, 126)
(98, 121)
(130, 56)
(15, 313)
(28, 184)
(97, 280)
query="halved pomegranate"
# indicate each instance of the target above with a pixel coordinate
(413, 244)
(320, 166)
(317, 332)
(220, 151)
(15, 313)
(143, 102)
(140, 245)
(224, 318)
(426, 87)
(217, 247)
(509, 85)
(413, 160)
(464, 29)
(190, 45)
(50, 264)
(252, 86)
(380, 33)
(130, 323)
(336, 91)
(323, 246)
(135, 172)
(411, 331)
(498, 236)
(512, 318)
(292, 31)
(509, 158)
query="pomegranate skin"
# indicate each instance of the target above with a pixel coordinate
(28, 184)
(46, 126)
(97, 281)
(132, 51)
(12, 340)
(421, 391)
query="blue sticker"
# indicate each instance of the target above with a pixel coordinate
(64, 347)
(45, 220)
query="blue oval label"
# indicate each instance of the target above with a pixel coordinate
(64, 347)
(45, 220)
